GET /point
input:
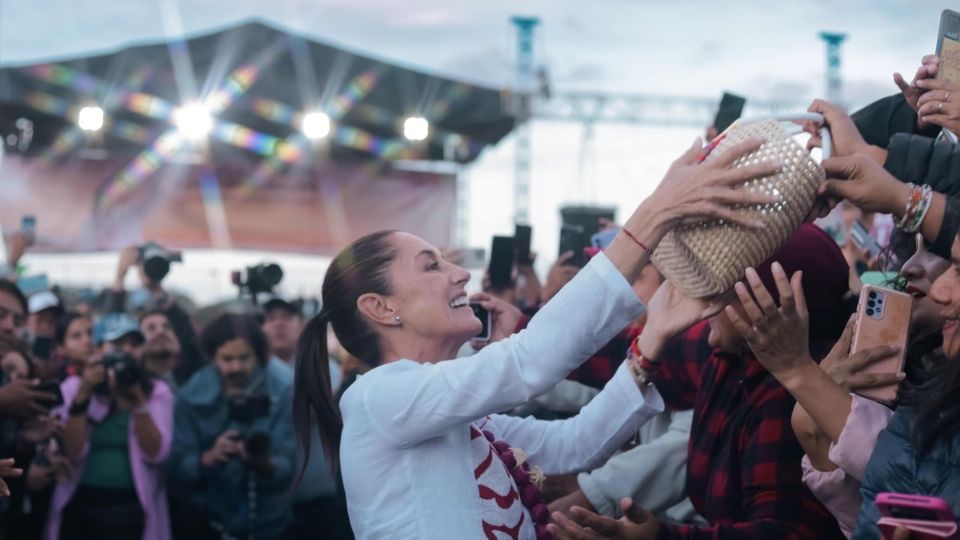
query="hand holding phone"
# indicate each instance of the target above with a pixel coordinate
(483, 314)
(927, 518)
(883, 319)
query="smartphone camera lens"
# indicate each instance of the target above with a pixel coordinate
(873, 295)
(871, 303)
(870, 312)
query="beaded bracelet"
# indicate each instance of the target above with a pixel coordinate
(918, 204)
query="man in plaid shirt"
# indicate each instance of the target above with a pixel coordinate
(743, 466)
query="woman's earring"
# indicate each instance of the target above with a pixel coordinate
(396, 318)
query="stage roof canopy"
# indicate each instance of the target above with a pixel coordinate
(257, 82)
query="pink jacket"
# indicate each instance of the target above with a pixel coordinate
(148, 472)
(839, 490)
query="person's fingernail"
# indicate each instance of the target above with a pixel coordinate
(901, 376)
(751, 273)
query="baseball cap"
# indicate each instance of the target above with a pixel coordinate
(114, 326)
(43, 300)
(276, 302)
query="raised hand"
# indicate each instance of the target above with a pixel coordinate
(671, 312)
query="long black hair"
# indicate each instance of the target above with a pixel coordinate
(361, 268)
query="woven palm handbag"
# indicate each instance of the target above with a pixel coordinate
(706, 259)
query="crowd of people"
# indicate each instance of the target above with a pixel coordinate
(606, 403)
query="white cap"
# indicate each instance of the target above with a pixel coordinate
(43, 300)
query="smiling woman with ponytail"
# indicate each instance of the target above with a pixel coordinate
(421, 450)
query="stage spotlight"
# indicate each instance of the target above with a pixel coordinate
(90, 118)
(316, 125)
(193, 120)
(416, 128)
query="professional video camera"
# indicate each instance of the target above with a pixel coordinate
(258, 279)
(156, 260)
(127, 371)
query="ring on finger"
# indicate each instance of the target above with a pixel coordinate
(940, 108)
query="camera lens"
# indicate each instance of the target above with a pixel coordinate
(873, 295)
(870, 312)
(871, 303)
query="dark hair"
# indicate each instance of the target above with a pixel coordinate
(151, 312)
(361, 268)
(20, 347)
(939, 414)
(63, 325)
(9, 287)
(229, 327)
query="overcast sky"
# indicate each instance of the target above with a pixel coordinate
(758, 48)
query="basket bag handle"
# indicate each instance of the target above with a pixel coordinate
(817, 118)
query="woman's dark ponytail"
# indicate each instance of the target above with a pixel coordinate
(313, 399)
(361, 268)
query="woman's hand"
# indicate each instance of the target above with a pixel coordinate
(848, 370)
(504, 317)
(693, 191)
(911, 92)
(846, 137)
(778, 336)
(559, 275)
(940, 104)
(865, 183)
(636, 524)
(670, 313)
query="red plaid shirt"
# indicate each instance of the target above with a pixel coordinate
(743, 460)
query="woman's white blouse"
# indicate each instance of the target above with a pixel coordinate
(407, 455)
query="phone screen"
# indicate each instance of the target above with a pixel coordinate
(523, 234)
(572, 238)
(948, 47)
(481, 313)
(864, 240)
(731, 107)
(501, 261)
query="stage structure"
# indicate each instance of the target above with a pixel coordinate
(250, 137)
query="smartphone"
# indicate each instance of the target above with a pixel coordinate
(53, 388)
(926, 517)
(484, 315)
(572, 238)
(501, 261)
(28, 227)
(731, 108)
(864, 240)
(948, 47)
(883, 318)
(43, 347)
(523, 235)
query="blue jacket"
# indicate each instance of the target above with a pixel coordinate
(895, 467)
(241, 501)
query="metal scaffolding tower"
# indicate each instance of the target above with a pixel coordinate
(524, 92)
(834, 90)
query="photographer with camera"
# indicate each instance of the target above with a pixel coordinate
(153, 264)
(117, 435)
(234, 447)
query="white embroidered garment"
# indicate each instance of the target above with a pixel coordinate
(408, 463)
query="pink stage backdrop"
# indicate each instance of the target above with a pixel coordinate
(317, 211)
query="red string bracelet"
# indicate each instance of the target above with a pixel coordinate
(639, 243)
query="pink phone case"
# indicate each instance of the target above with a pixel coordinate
(928, 518)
